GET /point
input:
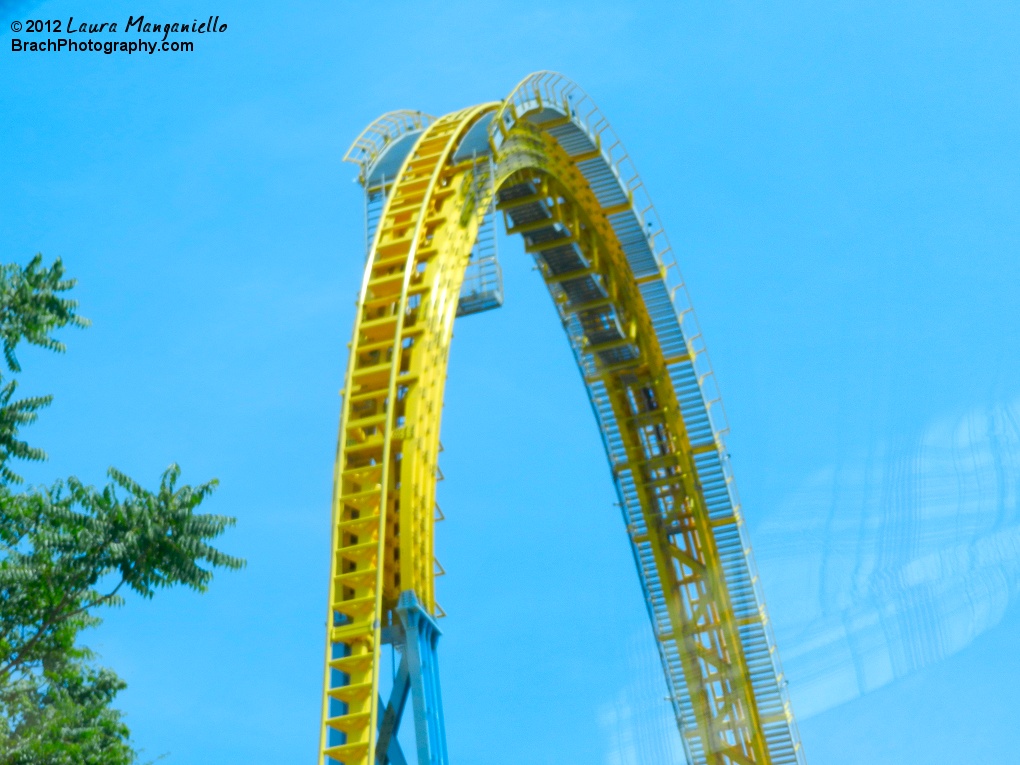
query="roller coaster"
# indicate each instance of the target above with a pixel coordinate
(545, 160)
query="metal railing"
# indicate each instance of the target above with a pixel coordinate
(368, 146)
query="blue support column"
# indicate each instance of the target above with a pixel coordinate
(420, 638)
(387, 748)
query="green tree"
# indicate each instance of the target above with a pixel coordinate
(68, 549)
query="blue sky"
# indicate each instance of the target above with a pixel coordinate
(840, 182)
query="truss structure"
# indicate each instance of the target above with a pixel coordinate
(547, 162)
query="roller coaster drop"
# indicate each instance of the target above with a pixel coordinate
(549, 162)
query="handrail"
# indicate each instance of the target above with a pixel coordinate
(369, 144)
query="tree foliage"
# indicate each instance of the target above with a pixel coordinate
(68, 549)
(31, 308)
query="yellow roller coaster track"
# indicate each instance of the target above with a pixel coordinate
(546, 159)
